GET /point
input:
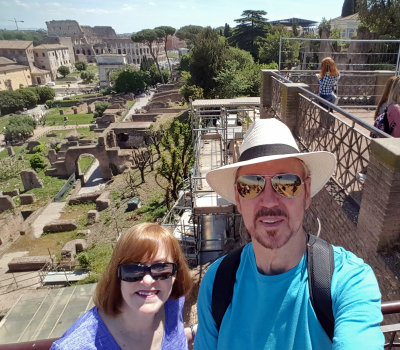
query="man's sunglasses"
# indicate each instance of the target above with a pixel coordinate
(136, 272)
(287, 185)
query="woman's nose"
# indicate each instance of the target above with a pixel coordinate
(147, 279)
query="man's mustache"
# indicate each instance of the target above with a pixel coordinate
(270, 212)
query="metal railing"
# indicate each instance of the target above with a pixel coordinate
(338, 132)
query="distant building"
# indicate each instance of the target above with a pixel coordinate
(107, 63)
(88, 42)
(13, 76)
(174, 43)
(51, 57)
(20, 51)
(347, 25)
(304, 25)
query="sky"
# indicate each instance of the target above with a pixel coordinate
(129, 16)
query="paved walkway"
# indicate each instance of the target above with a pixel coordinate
(50, 213)
(140, 102)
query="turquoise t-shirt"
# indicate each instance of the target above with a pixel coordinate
(275, 312)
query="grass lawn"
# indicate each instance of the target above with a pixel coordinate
(54, 117)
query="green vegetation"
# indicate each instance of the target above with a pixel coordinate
(99, 108)
(63, 70)
(80, 65)
(85, 162)
(12, 101)
(54, 117)
(19, 128)
(37, 36)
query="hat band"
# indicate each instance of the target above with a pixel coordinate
(266, 150)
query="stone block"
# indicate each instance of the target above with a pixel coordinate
(6, 203)
(83, 232)
(30, 263)
(10, 151)
(72, 248)
(60, 226)
(133, 204)
(52, 156)
(103, 202)
(30, 180)
(12, 193)
(27, 198)
(84, 198)
(92, 217)
(32, 145)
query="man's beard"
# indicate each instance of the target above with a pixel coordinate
(270, 239)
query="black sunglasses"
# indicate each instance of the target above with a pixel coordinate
(136, 272)
(287, 185)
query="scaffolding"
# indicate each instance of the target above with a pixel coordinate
(203, 221)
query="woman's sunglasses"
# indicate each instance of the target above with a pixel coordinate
(136, 272)
(287, 185)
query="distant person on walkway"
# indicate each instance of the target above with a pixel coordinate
(272, 185)
(328, 78)
(380, 108)
(139, 298)
(393, 109)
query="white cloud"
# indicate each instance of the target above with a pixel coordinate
(151, 3)
(182, 6)
(21, 3)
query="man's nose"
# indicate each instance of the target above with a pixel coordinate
(269, 197)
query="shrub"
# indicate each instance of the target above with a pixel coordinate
(80, 66)
(87, 77)
(39, 149)
(83, 259)
(19, 128)
(30, 97)
(37, 162)
(100, 107)
(10, 167)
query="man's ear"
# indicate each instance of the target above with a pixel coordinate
(307, 187)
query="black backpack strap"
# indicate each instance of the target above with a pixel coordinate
(223, 285)
(320, 263)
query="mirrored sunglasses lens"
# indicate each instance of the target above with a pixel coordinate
(287, 185)
(250, 186)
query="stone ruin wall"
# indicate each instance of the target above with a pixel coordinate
(66, 28)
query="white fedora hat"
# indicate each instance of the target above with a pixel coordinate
(266, 140)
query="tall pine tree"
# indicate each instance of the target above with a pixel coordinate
(349, 7)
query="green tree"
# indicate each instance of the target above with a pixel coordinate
(155, 77)
(130, 79)
(146, 64)
(166, 31)
(177, 158)
(349, 7)
(184, 65)
(188, 33)
(381, 17)
(188, 89)
(63, 70)
(252, 25)
(30, 97)
(151, 38)
(208, 56)
(270, 45)
(19, 128)
(45, 93)
(324, 27)
(87, 76)
(80, 66)
(37, 36)
(227, 31)
(11, 101)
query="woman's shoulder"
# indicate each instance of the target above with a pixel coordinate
(85, 333)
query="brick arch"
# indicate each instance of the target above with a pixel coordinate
(72, 155)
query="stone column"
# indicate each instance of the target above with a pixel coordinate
(266, 92)
(379, 218)
(290, 104)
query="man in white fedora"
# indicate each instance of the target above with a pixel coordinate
(272, 185)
